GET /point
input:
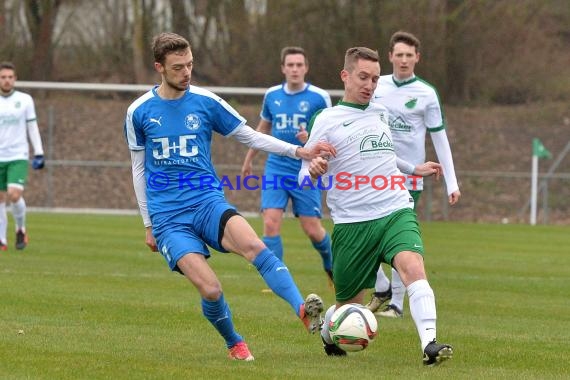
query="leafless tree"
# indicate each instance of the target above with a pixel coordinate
(41, 16)
(484, 51)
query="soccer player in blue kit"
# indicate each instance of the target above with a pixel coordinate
(169, 131)
(287, 109)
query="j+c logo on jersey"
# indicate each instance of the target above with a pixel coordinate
(181, 146)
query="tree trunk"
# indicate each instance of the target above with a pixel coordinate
(41, 16)
(180, 20)
(138, 42)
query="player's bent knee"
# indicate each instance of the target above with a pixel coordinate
(410, 266)
(271, 226)
(14, 196)
(211, 293)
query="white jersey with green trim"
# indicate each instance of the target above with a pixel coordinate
(363, 180)
(16, 110)
(414, 108)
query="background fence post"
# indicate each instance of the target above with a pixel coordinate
(50, 156)
(545, 201)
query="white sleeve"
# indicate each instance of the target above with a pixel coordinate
(443, 151)
(35, 139)
(139, 183)
(261, 141)
(304, 173)
(404, 166)
(315, 136)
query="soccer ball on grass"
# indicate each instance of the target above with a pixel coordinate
(352, 327)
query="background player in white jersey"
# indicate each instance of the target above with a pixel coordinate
(17, 124)
(372, 211)
(414, 110)
(169, 132)
(287, 109)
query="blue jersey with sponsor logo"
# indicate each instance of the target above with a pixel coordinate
(176, 136)
(287, 113)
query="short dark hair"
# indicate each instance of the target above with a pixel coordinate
(7, 65)
(405, 37)
(353, 54)
(288, 50)
(165, 43)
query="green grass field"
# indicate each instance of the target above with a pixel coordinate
(87, 300)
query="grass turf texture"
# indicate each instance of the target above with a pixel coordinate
(94, 303)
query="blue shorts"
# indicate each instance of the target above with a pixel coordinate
(305, 202)
(192, 231)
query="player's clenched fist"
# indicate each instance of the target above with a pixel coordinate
(318, 167)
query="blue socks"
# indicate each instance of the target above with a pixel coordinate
(278, 278)
(275, 245)
(219, 314)
(324, 249)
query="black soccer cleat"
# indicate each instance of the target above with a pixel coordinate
(21, 239)
(435, 353)
(332, 349)
(391, 311)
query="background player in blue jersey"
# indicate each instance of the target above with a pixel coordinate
(169, 132)
(286, 112)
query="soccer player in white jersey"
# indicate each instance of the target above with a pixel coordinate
(414, 110)
(371, 209)
(17, 124)
(169, 132)
(287, 109)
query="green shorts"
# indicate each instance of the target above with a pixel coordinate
(416, 197)
(13, 173)
(359, 249)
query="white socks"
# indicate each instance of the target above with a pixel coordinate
(382, 282)
(3, 222)
(398, 291)
(325, 334)
(422, 309)
(19, 212)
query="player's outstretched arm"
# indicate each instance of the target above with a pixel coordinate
(428, 168)
(264, 126)
(260, 141)
(319, 149)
